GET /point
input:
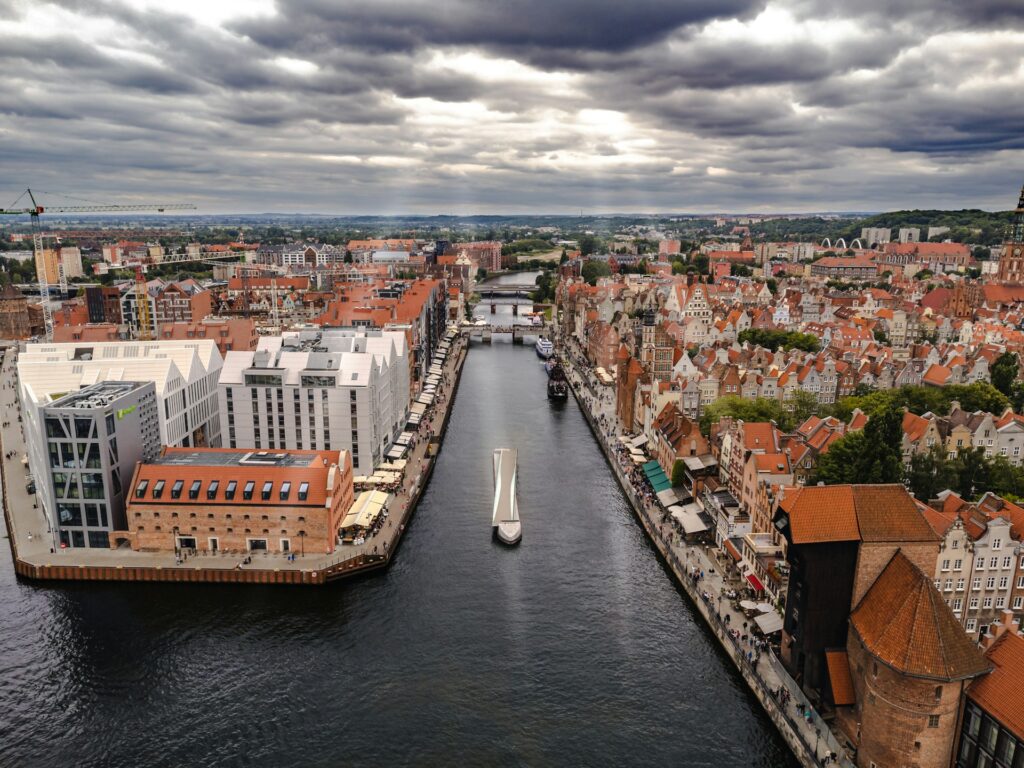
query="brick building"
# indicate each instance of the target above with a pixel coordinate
(910, 662)
(840, 538)
(215, 499)
(14, 314)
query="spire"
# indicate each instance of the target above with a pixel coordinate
(1017, 226)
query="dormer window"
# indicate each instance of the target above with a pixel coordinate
(229, 491)
(176, 489)
(303, 491)
(193, 491)
(250, 485)
(140, 489)
(158, 489)
(268, 486)
(211, 489)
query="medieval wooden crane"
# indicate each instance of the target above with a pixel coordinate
(35, 210)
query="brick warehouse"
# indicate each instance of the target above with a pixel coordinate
(217, 499)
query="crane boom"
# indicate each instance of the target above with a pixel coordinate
(39, 253)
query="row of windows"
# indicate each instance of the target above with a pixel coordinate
(230, 490)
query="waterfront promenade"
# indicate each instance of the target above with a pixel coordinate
(699, 571)
(36, 556)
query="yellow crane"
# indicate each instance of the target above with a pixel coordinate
(37, 244)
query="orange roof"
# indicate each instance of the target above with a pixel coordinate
(209, 464)
(904, 623)
(843, 693)
(823, 513)
(759, 435)
(1001, 693)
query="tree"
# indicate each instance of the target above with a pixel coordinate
(1004, 372)
(881, 461)
(929, 473)
(678, 474)
(838, 464)
(736, 407)
(972, 472)
(588, 244)
(870, 455)
(773, 286)
(593, 269)
(804, 405)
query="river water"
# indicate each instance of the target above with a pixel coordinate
(573, 649)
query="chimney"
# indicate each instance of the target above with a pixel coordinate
(996, 630)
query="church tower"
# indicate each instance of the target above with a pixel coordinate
(1011, 263)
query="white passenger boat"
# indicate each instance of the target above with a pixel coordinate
(505, 519)
(545, 348)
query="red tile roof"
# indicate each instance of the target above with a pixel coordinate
(821, 513)
(1001, 693)
(904, 623)
(843, 693)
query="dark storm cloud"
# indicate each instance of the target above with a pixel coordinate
(391, 105)
(604, 25)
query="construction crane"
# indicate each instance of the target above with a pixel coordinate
(37, 244)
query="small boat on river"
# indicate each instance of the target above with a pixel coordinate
(545, 348)
(505, 517)
(558, 386)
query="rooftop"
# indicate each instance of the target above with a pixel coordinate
(904, 623)
(1001, 693)
(227, 457)
(98, 395)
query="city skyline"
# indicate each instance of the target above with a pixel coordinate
(462, 108)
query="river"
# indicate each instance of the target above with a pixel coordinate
(573, 649)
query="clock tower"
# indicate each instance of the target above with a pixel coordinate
(1011, 263)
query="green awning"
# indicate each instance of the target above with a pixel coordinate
(661, 485)
(650, 466)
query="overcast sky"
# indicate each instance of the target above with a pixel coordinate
(490, 106)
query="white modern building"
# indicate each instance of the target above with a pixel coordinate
(336, 389)
(870, 236)
(184, 376)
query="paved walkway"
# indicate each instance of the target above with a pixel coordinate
(35, 541)
(703, 566)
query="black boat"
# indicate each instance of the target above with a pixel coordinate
(558, 387)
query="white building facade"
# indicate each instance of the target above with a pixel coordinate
(184, 375)
(337, 389)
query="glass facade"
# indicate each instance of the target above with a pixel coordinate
(984, 743)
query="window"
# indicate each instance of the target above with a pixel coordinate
(1018, 602)
(1007, 561)
(933, 721)
(286, 488)
(997, 544)
(1000, 603)
(1004, 582)
(193, 491)
(976, 583)
(973, 604)
(248, 489)
(990, 582)
(958, 565)
(956, 542)
(140, 489)
(176, 489)
(993, 563)
(979, 564)
(959, 585)
(958, 603)
(972, 624)
(949, 585)
(303, 491)
(229, 491)
(986, 603)
(268, 486)
(211, 489)
(158, 489)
